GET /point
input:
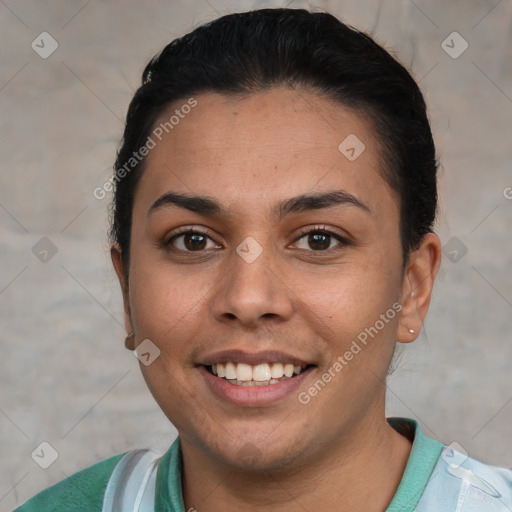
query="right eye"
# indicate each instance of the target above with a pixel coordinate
(192, 241)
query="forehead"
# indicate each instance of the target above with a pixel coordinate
(261, 146)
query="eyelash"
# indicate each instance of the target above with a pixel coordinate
(186, 231)
(324, 230)
(319, 229)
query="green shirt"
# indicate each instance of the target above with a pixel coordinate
(84, 491)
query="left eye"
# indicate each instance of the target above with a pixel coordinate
(319, 240)
(192, 241)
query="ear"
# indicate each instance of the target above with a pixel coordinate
(419, 275)
(117, 261)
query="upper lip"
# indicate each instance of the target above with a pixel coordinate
(252, 358)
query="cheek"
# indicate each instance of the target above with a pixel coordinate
(166, 304)
(350, 298)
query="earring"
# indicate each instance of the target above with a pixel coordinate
(411, 331)
(128, 341)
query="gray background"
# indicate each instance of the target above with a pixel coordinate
(65, 377)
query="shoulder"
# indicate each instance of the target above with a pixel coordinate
(459, 480)
(489, 484)
(82, 491)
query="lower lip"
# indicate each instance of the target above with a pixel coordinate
(253, 396)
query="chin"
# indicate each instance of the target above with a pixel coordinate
(255, 451)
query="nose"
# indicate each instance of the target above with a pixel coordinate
(251, 291)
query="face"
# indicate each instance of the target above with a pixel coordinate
(256, 241)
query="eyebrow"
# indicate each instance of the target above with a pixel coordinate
(299, 204)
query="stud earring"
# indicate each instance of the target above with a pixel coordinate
(411, 331)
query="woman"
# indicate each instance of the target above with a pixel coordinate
(275, 194)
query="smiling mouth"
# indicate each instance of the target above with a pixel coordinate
(266, 374)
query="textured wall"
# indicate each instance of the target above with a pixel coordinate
(65, 377)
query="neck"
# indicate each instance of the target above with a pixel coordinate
(361, 472)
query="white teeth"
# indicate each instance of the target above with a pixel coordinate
(260, 374)
(276, 372)
(243, 372)
(288, 370)
(230, 371)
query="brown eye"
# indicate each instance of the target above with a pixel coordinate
(192, 241)
(320, 240)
